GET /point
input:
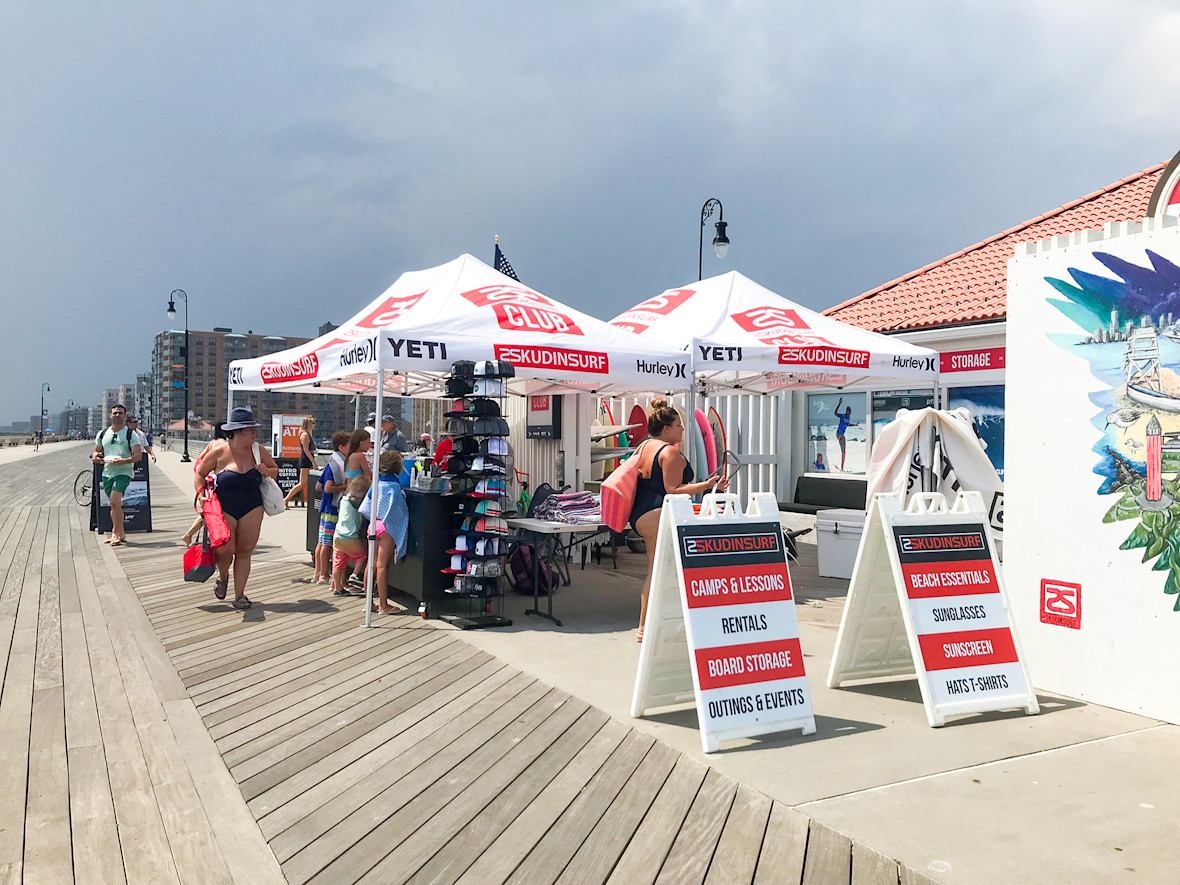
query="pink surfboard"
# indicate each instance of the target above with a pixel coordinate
(637, 416)
(710, 443)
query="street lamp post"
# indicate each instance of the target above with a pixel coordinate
(721, 241)
(44, 389)
(180, 293)
(70, 406)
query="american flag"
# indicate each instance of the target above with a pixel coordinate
(503, 266)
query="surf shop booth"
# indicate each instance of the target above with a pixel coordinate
(405, 343)
(747, 345)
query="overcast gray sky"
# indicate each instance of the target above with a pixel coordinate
(283, 162)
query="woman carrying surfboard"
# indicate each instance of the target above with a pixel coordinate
(662, 471)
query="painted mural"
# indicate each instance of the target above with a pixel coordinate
(1130, 336)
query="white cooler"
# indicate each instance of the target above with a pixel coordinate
(837, 534)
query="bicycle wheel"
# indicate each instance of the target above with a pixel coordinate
(84, 487)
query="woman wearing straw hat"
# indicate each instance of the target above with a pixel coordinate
(238, 464)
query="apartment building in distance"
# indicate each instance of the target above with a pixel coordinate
(211, 354)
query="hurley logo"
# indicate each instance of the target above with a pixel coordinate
(673, 370)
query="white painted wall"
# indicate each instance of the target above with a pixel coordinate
(1127, 652)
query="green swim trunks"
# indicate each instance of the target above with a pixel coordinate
(115, 484)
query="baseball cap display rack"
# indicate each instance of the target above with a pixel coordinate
(477, 469)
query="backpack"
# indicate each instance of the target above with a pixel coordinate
(131, 443)
(520, 568)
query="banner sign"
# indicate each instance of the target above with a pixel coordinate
(721, 626)
(137, 502)
(972, 360)
(927, 597)
(284, 436)
(544, 417)
(288, 476)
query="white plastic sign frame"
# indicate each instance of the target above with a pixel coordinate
(927, 596)
(721, 628)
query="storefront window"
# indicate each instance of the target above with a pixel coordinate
(886, 404)
(986, 405)
(836, 443)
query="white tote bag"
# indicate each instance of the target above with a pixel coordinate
(273, 501)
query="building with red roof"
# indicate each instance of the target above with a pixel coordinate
(958, 306)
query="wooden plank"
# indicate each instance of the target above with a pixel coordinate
(506, 852)
(784, 847)
(442, 813)
(295, 797)
(147, 855)
(94, 831)
(871, 867)
(829, 856)
(688, 861)
(356, 825)
(645, 856)
(16, 709)
(557, 846)
(47, 815)
(246, 853)
(371, 719)
(255, 747)
(602, 848)
(467, 842)
(737, 852)
(913, 877)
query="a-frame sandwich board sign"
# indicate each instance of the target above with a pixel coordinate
(721, 627)
(927, 597)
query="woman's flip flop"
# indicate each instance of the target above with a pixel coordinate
(220, 587)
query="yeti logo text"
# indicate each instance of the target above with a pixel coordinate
(417, 350)
(673, 370)
(302, 368)
(236, 376)
(720, 354)
(360, 353)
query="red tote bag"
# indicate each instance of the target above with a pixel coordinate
(199, 560)
(210, 509)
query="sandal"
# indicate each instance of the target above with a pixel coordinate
(241, 603)
(220, 587)
(639, 635)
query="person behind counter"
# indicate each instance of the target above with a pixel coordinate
(662, 471)
(390, 524)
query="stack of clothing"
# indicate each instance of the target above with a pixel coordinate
(576, 508)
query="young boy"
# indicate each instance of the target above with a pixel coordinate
(348, 547)
(389, 523)
(331, 488)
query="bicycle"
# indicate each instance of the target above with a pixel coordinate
(84, 487)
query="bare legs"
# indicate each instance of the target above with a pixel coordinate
(385, 552)
(243, 538)
(648, 527)
(117, 533)
(300, 487)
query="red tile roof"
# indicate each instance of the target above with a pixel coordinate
(971, 285)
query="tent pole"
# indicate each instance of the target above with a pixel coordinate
(371, 571)
(356, 419)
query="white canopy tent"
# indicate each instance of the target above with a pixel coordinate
(741, 336)
(465, 310)
(405, 341)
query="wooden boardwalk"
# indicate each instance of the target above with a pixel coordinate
(389, 755)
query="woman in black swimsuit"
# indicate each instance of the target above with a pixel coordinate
(662, 471)
(239, 490)
(306, 460)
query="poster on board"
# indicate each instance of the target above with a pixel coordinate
(927, 597)
(137, 502)
(721, 628)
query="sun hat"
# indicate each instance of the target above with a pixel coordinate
(240, 419)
